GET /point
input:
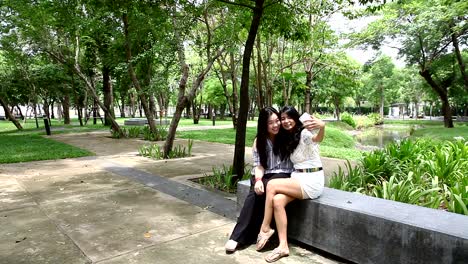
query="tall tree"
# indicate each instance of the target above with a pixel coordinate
(239, 151)
(425, 30)
(211, 51)
(53, 28)
(379, 82)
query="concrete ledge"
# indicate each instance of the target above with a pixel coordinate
(144, 121)
(365, 229)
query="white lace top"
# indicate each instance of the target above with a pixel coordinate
(306, 155)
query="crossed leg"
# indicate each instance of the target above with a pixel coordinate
(280, 192)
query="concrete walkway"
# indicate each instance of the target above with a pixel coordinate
(118, 207)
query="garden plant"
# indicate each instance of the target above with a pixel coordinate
(422, 172)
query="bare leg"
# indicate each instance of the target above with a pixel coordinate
(279, 202)
(289, 187)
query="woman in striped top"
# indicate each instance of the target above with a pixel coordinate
(268, 165)
(306, 182)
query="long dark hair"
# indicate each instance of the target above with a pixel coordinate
(262, 132)
(288, 140)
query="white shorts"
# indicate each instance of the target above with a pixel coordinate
(311, 183)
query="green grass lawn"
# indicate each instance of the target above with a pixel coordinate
(30, 147)
(434, 129)
(337, 143)
(7, 127)
(442, 133)
(414, 122)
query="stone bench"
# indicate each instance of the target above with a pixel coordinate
(144, 121)
(366, 229)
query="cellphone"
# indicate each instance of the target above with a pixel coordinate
(304, 117)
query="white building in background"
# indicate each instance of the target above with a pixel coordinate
(397, 110)
(402, 110)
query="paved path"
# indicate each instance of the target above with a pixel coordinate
(118, 207)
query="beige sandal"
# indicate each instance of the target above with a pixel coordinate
(263, 238)
(275, 255)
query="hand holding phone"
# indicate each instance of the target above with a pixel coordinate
(305, 117)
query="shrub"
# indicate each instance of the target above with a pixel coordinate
(422, 172)
(116, 134)
(376, 119)
(348, 119)
(134, 132)
(160, 134)
(222, 178)
(363, 121)
(157, 152)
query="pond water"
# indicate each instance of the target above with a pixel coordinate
(382, 135)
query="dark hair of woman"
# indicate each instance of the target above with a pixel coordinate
(262, 133)
(288, 140)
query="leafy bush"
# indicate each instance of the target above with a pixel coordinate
(348, 119)
(376, 119)
(116, 134)
(457, 197)
(222, 178)
(160, 134)
(363, 121)
(157, 152)
(134, 132)
(422, 172)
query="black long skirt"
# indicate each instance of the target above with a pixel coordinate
(251, 216)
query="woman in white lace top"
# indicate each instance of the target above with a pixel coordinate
(306, 182)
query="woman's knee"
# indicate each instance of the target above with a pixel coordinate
(279, 202)
(271, 188)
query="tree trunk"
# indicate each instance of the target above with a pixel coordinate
(307, 91)
(45, 107)
(234, 89)
(260, 95)
(122, 104)
(132, 105)
(95, 111)
(229, 97)
(162, 106)
(416, 109)
(9, 115)
(20, 112)
(460, 61)
(181, 103)
(153, 106)
(52, 112)
(267, 75)
(337, 109)
(195, 112)
(108, 95)
(80, 114)
(60, 112)
(80, 98)
(382, 101)
(136, 84)
(239, 151)
(443, 95)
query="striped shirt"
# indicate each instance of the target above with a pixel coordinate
(274, 162)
